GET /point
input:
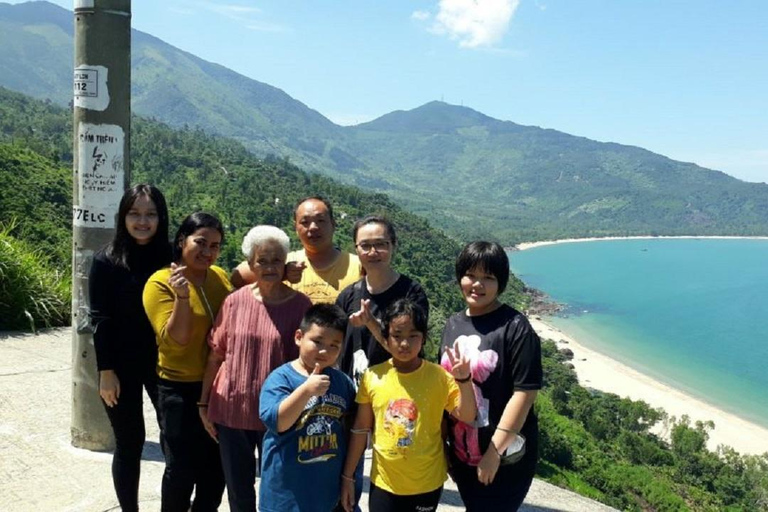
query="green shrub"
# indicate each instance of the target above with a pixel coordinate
(32, 292)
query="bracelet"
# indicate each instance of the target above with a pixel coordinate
(182, 297)
(508, 431)
(202, 404)
(347, 478)
(462, 381)
(360, 430)
(495, 449)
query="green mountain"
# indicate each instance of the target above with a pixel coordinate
(521, 182)
(468, 173)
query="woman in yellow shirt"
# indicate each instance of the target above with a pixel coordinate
(182, 302)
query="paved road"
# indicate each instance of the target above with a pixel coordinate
(41, 471)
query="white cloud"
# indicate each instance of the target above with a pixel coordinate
(266, 27)
(233, 9)
(420, 15)
(248, 16)
(474, 23)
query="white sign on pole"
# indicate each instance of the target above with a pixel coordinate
(90, 87)
(101, 173)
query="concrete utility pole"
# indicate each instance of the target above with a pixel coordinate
(102, 116)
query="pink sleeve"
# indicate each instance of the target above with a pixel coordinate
(217, 337)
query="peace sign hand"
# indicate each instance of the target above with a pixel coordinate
(460, 365)
(364, 316)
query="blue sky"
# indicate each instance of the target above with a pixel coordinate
(687, 79)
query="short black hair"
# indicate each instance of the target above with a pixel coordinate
(192, 223)
(324, 315)
(315, 198)
(406, 307)
(489, 256)
(375, 219)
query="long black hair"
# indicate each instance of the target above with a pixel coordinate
(122, 246)
(192, 223)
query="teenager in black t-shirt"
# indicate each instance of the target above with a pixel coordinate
(367, 299)
(505, 355)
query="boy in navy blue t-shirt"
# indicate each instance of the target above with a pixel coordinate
(305, 405)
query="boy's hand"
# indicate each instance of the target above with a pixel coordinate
(347, 495)
(317, 383)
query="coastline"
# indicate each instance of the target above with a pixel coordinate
(595, 370)
(532, 245)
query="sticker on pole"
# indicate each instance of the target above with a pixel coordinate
(90, 87)
(93, 217)
(100, 174)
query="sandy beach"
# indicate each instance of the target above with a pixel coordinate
(598, 371)
(532, 245)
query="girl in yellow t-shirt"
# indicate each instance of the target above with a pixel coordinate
(402, 401)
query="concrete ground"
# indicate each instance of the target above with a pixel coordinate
(41, 471)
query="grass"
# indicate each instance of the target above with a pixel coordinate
(33, 293)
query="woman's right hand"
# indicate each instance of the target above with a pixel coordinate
(363, 316)
(178, 282)
(109, 387)
(207, 424)
(347, 494)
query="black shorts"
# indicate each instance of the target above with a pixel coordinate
(384, 501)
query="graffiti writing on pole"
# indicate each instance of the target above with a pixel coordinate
(100, 168)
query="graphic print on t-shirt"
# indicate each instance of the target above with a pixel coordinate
(317, 440)
(482, 363)
(399, 422)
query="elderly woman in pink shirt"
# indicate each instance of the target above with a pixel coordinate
(253, 335)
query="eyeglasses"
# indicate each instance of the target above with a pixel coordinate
(379, 246)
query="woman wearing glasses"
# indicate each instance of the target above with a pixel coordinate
(366, 300)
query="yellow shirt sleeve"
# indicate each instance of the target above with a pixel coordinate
(158, 298)
(453, 396)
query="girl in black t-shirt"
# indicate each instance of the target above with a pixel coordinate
(505, 356)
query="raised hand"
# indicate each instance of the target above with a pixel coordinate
(460, 365)
(109, 387)
(293, 271)
(317, 383)
(178, 282)
(363, 316)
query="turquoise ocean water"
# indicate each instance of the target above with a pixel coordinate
(690, 313)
